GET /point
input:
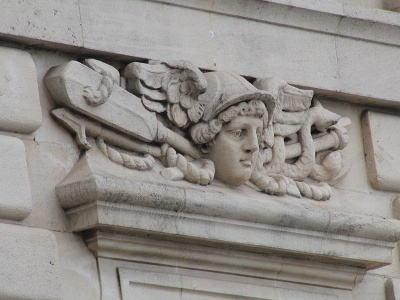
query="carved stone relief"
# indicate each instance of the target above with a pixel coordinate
(269, 135)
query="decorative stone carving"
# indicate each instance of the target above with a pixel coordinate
(203, 125)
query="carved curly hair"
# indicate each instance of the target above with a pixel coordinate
(203, 133)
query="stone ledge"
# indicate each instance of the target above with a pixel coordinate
(232, 234)
(97, 198)
(95, 178)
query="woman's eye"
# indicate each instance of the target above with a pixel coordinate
(237, 133)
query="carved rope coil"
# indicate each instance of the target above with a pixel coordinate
(329, 168)
(95, 98)
(273, 185)
(190, 171)
(132, 162)
(277, 184)
(321, 192)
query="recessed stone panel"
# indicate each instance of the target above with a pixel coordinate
(382, 149)
(19, 95)
(176, 283)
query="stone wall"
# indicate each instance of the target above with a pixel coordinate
(221, 242)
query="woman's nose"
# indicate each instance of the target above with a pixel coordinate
(251, 142)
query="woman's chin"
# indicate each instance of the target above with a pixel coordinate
(236, 181)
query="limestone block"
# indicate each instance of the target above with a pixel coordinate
(48, 21)
(48, 165)
(19, 95)
(392, 286)
(203, 35)
(100, 23)
(15, 199)
(381, 146)
(78, 268)
(29, 263)
(378, 63)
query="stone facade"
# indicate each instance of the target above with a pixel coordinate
(200, 149)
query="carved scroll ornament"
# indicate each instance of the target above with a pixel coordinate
(270, 135)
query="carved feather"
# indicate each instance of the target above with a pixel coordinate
(292, 105)
(176, 83)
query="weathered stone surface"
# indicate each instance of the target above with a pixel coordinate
(316, 228)
(163, 282)
(376, 62)
(222, 282)
(392, 286)
(200, 40)
(48, 164)
(364, 3)
(19, 95)
(212, 259)
(15, 199)
(268, 44)
(393, 5)
(372, 287)
(29, 263)
(381, 148)
(42, 21)
(133, 201)
(78, 268)
(319, 25)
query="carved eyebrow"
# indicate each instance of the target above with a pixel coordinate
(232, 126)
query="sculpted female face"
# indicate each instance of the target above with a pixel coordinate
(236, 148)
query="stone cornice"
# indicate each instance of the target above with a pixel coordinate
(331, 17)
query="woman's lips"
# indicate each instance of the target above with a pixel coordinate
(246, 162)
